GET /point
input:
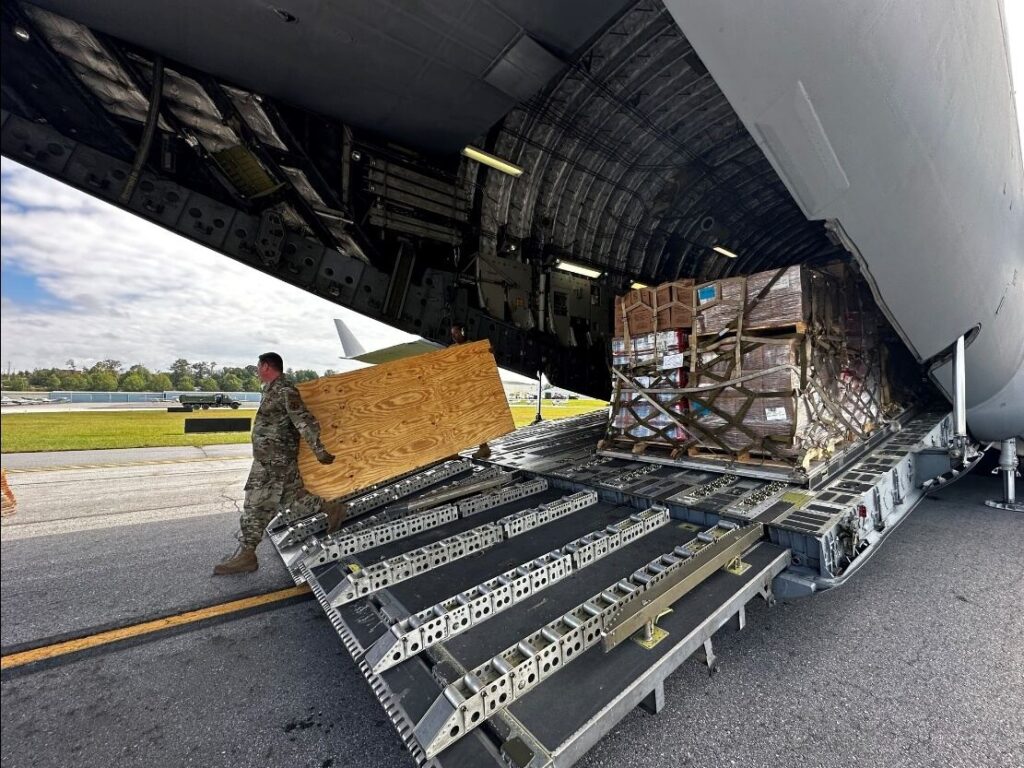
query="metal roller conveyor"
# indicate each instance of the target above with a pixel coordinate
(392, 514)
(523, 666)
(320, 551)
(301, 530)
(481, 480)
(407, 487)
(458, 614)
(496, 498)
(401, 567)
(351, 540)
(521, 522)
(405, 566)
(389, 528)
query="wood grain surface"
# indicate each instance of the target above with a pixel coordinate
(396, 417)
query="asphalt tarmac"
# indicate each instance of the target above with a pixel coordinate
(919, 661)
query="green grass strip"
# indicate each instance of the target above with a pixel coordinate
(94, 430)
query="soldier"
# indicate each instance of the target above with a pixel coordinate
(274, 483)
(459, 337)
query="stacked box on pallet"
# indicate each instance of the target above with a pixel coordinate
(634, 313)
(646, 310)
(635, 419)
(773, 300)
(799, 384)
(651, 339)
(760, 408)
(662, 350)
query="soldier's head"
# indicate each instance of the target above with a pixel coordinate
(269, 367)
(458, 333)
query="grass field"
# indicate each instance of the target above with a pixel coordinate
(525, 414)
(90, 430)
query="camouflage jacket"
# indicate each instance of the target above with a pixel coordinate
(281, 418)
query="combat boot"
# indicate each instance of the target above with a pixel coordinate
(243, 561)
(336, 511)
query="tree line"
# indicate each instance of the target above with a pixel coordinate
(112, 376)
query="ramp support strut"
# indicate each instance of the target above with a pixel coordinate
(1009, 473)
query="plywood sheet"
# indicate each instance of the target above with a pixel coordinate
(396, 417)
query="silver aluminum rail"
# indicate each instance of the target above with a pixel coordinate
(496, 684)
(462, 612)
(409, 564)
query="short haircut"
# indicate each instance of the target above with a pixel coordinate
(273, 360)
(460, 326)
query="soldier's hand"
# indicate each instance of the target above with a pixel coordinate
(324, 457)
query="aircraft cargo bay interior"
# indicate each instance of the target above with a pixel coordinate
(698, 304)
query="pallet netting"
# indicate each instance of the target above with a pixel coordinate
(758, 395)
(636, 420)
(791, 399)
(649, 310)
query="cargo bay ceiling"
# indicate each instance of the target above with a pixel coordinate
(320, 143)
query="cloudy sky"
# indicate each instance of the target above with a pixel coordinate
(86, 281)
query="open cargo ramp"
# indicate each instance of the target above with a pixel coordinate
(472, 577)
(594, 691)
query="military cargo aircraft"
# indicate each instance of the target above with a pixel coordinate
(513, 166)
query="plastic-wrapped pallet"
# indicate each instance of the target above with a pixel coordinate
(776, 299)
(663, 349)
(636, 419)
(824, 396)
(718, 363)
(767, 427)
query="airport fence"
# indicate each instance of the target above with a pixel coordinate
(122, 397)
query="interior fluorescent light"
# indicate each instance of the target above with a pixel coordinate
(578, 269)
(638, 286)
(492, 162)
(724, 252)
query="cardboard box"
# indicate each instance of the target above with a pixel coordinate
(719, 305)
(719, 365)
(665, 350)
(674, 304)
(667, 307)
(634, 312)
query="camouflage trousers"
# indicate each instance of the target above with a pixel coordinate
(266, 496)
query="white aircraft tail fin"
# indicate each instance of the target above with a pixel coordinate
(350, 346)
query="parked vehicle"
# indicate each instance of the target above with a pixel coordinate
(206, 400)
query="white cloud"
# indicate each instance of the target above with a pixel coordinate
(126, 289)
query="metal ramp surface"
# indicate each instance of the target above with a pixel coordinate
(447, 619)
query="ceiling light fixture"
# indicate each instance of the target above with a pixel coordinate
(578, 269)
(725, 252)
(492, 162)
(21, 33)
(638, 286)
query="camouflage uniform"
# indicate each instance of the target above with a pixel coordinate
(274, 483)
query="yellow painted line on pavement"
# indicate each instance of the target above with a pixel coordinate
(12, 660)
(148, 463)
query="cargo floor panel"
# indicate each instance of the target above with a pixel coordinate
(596, 679)
(485, 640)
(441, 583)
(429, 536)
